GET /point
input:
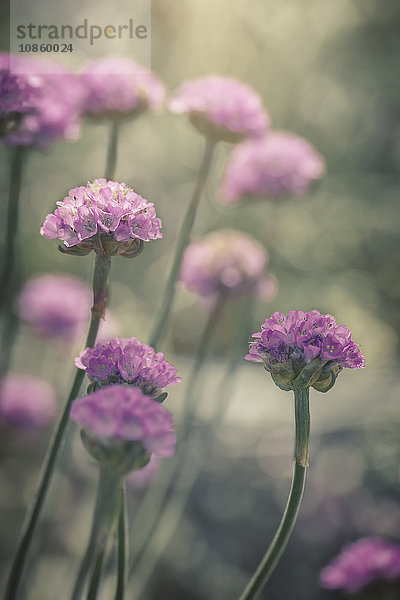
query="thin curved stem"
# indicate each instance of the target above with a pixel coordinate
(107, 503)
(279, 543)
(163, 313)
(123, 547)
(100, 277)
(112, 149)
(155, 499)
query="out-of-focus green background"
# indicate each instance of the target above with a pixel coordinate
(328, 71)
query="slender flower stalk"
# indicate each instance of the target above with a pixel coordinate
(301, 350)
(100, 287)
(279, 543)
(160, 326)
(10, 268)
(105, 512)
(112, 149)
(123, 547)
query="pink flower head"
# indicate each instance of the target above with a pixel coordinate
(276, 165)
(359, 564)
(57, 307)
(104, 214)
(54, 107)
(121, 412)
(304, 348)
(119, 85)
(222, 108)
(26, 402)
(126, 360)
(226, 261)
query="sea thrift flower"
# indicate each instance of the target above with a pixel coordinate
(366, 561)
(15, 97)
(273, 166)
(55, 102)
(119, 85)
(104, 216)
(126, 360)
(57, 307)
(117, 414)
(227, 261)
(26, 402)
(304, 349)
(222, 108)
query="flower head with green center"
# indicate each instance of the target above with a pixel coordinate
(104, 216)
(304, 349)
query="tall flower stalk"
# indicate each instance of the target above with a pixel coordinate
(204, 102)
(160, 326)
(112, 149)
(110, 219)
(302, 350)
(100, 279)
(10, 267)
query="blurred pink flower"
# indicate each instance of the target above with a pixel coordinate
(119, 85)
(222, 108)
(227, 261)
(58, 307)
(26, 402)
(278, 164)
(56, 102)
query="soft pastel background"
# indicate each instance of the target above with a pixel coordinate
(329, 72)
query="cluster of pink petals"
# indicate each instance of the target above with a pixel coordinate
(224, 103)
(102, 207)
(227, 261)
(54, 107)
(125, 413)
(119, 85)
(366, 561)
(26, 402)
(126, 360)
(301, 337)
(276, 165)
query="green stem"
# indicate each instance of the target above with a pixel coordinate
(160, 326)
(278, 545)
(112, 149)
(155, 499)
(123, 547)
(107, 503)
(9, 279)
(100, 277)
(96, 576)
(8, 267)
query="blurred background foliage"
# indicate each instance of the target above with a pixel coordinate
(329, 72)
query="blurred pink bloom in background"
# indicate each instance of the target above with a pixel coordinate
(221, 107)
(26, 402)
(279, 164)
